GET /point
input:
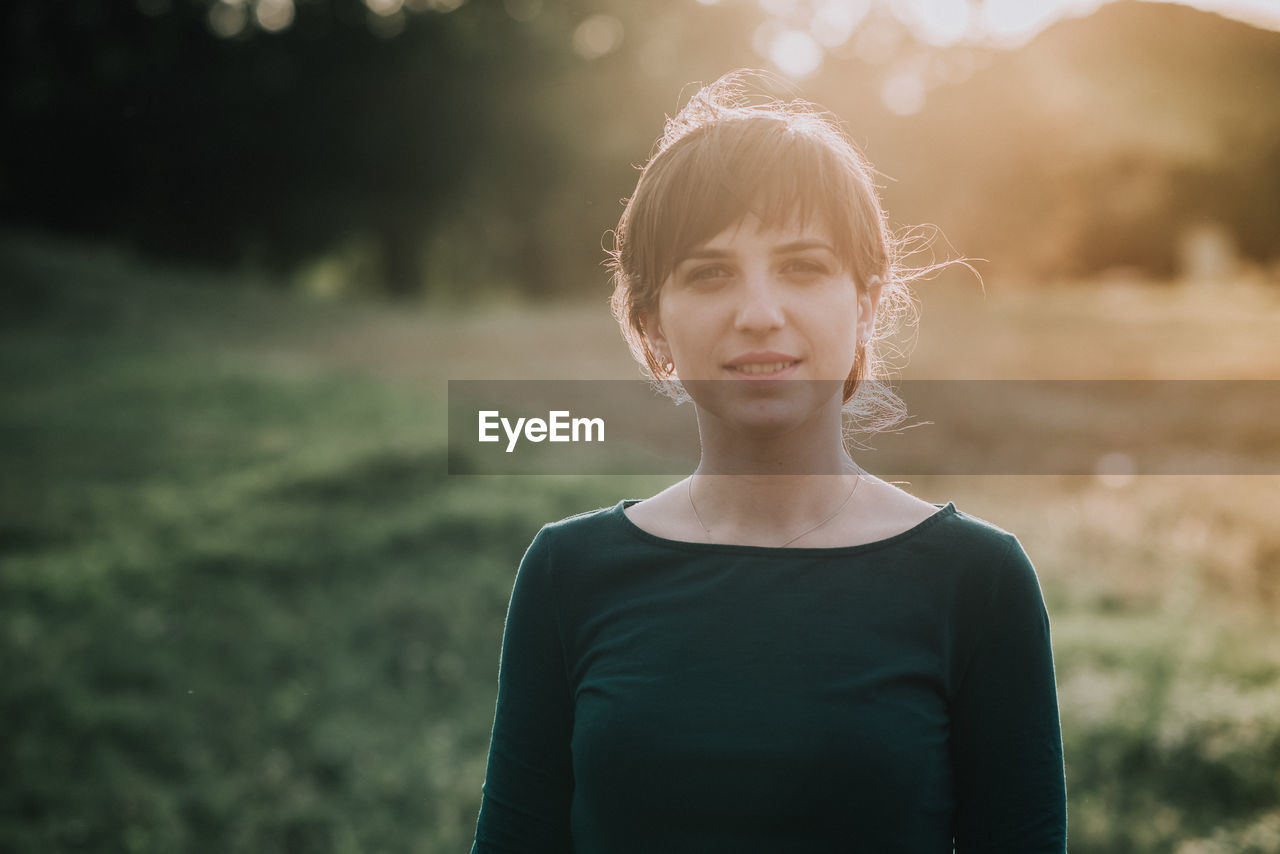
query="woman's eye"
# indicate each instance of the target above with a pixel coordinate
(806, 267)
(713, 272)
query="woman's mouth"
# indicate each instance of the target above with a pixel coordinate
(764, 369)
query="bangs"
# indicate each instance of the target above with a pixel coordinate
(782, 174)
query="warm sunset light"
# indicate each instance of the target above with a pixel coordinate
(942, 23)
(795, 52)
(939, 22)
(1020, 19)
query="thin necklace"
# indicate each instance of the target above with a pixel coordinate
(833, 515)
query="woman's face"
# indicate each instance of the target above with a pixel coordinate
(762, 324)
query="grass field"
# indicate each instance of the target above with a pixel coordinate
(243, 609)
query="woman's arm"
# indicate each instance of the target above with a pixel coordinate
(528, 784)
(1006, 739)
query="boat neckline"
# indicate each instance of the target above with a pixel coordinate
(944, 511)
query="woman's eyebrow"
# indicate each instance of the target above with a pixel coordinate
(783, 249)
(798, 245)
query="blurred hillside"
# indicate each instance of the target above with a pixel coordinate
(453, 148)
(1108, 141)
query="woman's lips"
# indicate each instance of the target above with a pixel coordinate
(763, 370)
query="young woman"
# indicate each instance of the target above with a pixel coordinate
(780, 652)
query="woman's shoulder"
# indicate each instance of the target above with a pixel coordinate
(891, 514)
(988, 558)
(978, 537)
(584, 526)
(981, 529)
(973, 547)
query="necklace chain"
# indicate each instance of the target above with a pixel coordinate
(857, 482)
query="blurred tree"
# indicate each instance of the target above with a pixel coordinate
(185, 130)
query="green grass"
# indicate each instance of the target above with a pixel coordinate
(243, 608)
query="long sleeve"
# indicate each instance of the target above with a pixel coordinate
(528, 783)
(1006, 738)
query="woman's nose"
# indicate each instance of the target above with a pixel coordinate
(760, 308)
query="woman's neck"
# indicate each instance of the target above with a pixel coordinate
(768, 488)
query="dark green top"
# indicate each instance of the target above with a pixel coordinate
(661, 696)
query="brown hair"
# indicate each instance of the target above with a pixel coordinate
(723, 156)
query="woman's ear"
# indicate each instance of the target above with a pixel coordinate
(653, 334)
(868, 302)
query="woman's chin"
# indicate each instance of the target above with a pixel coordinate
(766, 425)
(765, 416)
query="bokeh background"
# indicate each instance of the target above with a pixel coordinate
(245, 243)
